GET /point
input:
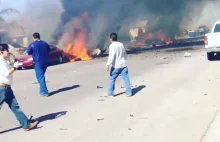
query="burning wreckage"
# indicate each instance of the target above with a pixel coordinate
(140, 37)
(83, 37)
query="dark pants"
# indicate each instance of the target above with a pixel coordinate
(114, 73)
(7, 95)
(40, 74)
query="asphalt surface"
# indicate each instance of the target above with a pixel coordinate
(176, 99)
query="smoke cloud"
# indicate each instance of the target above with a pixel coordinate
(110, 16)
(59, 20)
(41, 16)
(202, 13)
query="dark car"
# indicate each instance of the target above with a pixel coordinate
(56, 55)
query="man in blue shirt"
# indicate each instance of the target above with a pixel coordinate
(40, 52)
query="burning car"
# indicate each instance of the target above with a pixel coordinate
(56, 55)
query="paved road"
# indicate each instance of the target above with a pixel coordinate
(176, 100)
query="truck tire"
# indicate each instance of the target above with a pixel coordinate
(210, 56)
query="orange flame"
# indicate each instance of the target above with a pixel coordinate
(78, 49)
(158, 35)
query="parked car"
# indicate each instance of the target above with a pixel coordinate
(56, 55)
(212, 42)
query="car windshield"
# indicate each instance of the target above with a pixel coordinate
(217, 28)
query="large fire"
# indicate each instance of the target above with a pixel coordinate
(78, 48)
(160, 35)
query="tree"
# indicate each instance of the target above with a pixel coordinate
(8, 25)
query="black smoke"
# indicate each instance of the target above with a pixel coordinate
(109, 16)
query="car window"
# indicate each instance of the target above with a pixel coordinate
(52, 48)
(217, 28)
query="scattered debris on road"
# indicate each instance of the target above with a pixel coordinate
(100, 119)
(99, 87)
(163, 58)
(187, 54)
(131, 115)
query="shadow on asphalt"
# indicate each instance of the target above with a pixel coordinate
(51, 116)
(64, 89)
(138, 89)
(41, 119)
(134, 90)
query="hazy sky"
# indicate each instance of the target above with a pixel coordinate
(18, 4)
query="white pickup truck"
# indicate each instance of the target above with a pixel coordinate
(212, 41)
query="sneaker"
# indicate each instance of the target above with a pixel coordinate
(32, 125)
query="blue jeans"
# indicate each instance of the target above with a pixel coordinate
(114, 73)
(7, 96)
(40, 74)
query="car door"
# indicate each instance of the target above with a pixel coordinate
(54, 54)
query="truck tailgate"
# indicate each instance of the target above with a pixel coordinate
(213, 40)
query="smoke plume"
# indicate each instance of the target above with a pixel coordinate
(202, 13)
(120, 15)
(41, 16)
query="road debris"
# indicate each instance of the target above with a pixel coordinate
(205, 94)
(99, 87)
(131, 115)
(163, 58)
(187, 54)
(129, 129)
(63, 129)
(100, 119)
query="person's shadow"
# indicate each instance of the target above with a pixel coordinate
(134, 90)
(64, 89)
(138, 89)
(41, 119)
(51, 116)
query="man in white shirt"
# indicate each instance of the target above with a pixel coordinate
(117, 62)
(6, 93)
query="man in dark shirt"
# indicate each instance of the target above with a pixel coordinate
(40, 52)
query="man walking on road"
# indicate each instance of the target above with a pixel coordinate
(40, 52)
(6, 93)
(117, 61)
